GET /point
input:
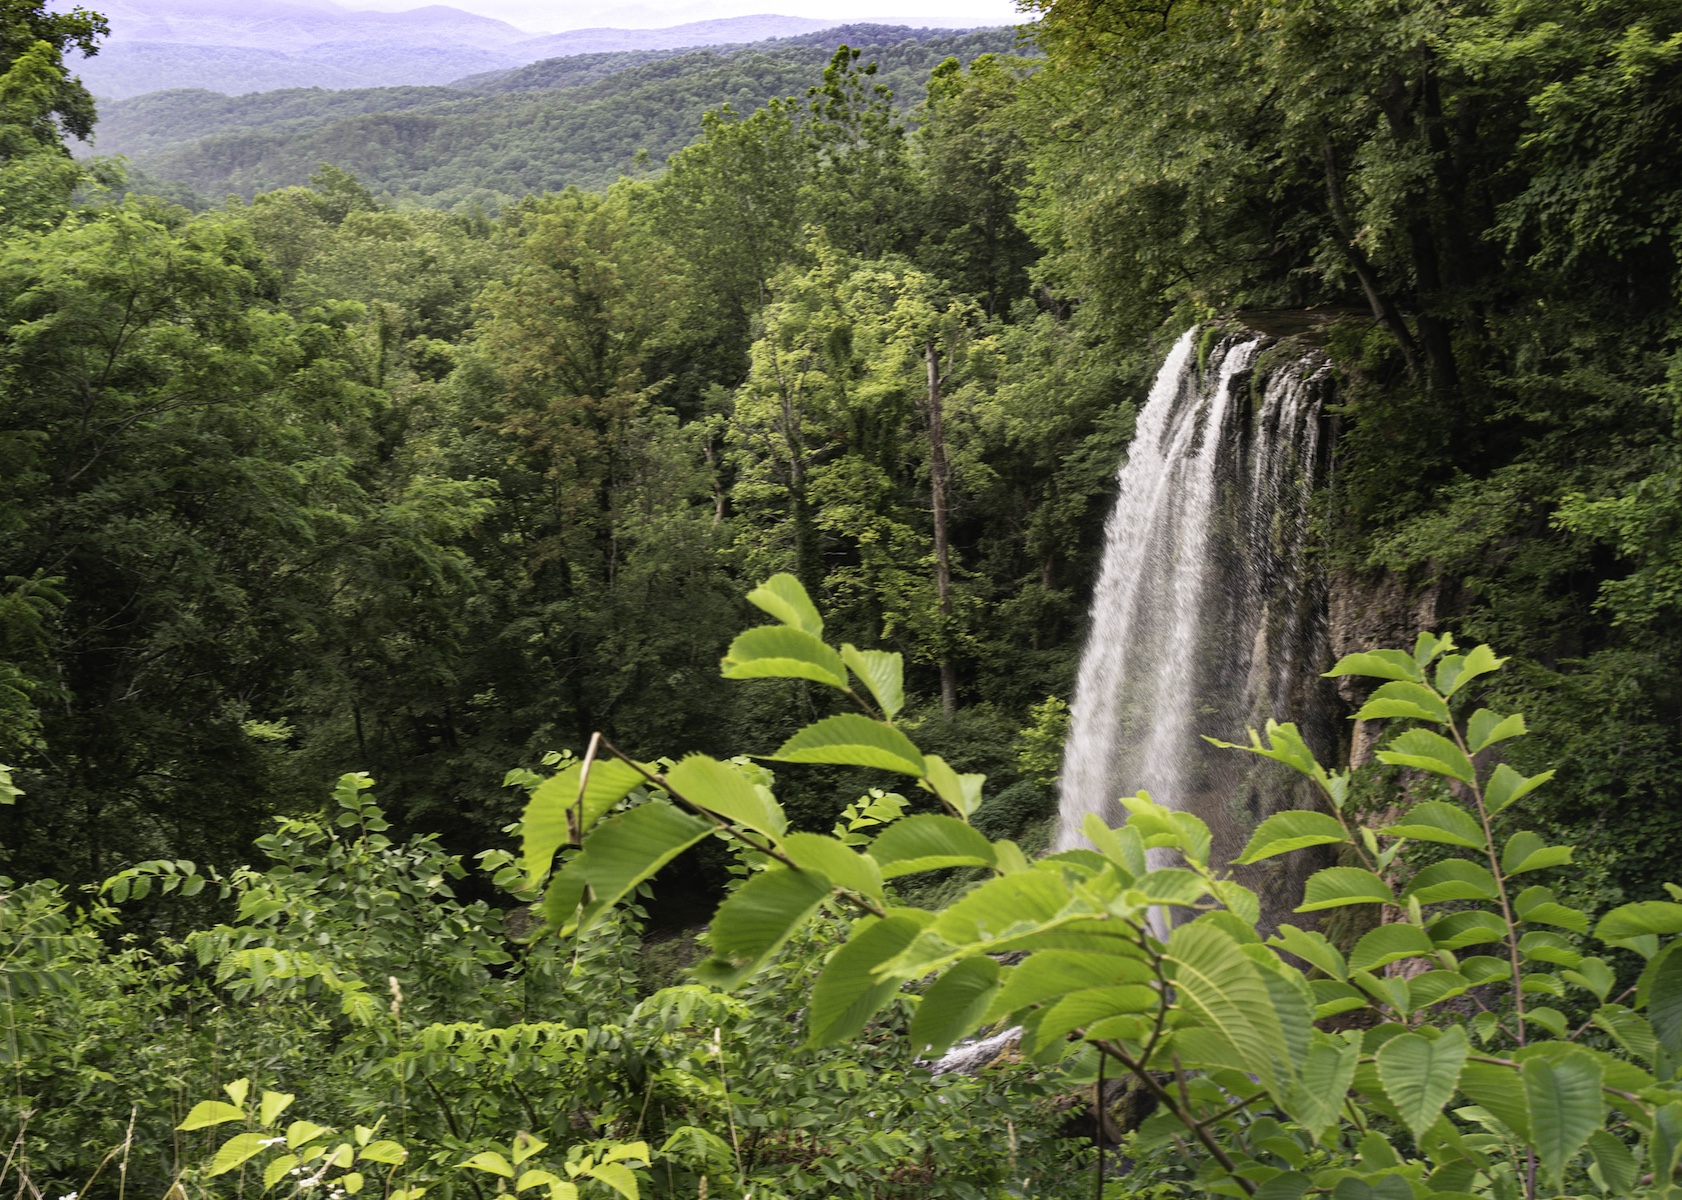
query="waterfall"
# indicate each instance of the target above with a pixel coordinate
(1206, 618)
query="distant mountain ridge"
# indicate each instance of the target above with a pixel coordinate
(236, 48)
(579, 120)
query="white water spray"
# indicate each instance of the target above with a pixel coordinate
(1206, 618)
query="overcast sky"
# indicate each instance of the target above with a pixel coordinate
(556, 15)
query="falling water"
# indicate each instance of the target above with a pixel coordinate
(1206, 618)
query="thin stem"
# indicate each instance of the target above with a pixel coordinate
(1500, 887)
(1180, 1111)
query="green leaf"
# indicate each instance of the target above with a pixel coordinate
(491, 1162)
(783, 652)
(1497, 1089)
(1287, 831)
(1452, 879)
(961, 793)
(1525, 851)
(1486, 728)
(1437, 821)
(1430, 752)
(211, 1112)
(1506, 786)
(235, 1152)
(631, 846)
(1632, 920)
(383, 1152)
(617, 1176)
(1455, 671)
(1227, 992)
(1378, 664)
(1459, 930)
(272, 1105)
(1404, 699)
(757, 918)
(846, 994)
(1337, 886)
(784, 597)
(554, 817)
(1629, 1029)
(1328, 1070)
(1420, 1075)
(1433, 987)
(1537, 905)
(1388, 944)
(1313, 948)
(1284, 745)
(302, 1133)
(845, 867)
(1050, 974)
(723, 789)
(883, 673)
(1617, 1165)
(1088, 1007)
(927, 842)
(1663, 993)
(852, 740)
(1565, 1107)
(954, 1005)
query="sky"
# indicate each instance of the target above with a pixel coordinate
(553, 16)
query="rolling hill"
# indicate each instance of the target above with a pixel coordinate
(495, 138)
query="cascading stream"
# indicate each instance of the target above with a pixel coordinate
(1206, 618)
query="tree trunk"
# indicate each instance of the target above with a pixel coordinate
(942, 546)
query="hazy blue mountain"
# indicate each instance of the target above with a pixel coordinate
(447, 147)
(233, 47)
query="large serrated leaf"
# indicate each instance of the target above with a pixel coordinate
(631, 846)
(1430, 752)
(1313, 948)
(784, 597)
(852, 740)
(1050, 974)
(961, 793)
(1085, 1008)
(847, 994)
(235, 1152)
(1388, 944)
(757, 918)
(1378, 664)
(1452, 879)
(1632, 920)
(721, 788)
(1437, 821)
(556, 810)
(1565, 1105)
(211, 1112)
(1227, 993)
(1328, 1070)
(1486, 728)
(927, 842)
(1525, 851)
(1455, 671)
(883, 673)
(1506, 786)
(954, 1005)
(1294, 830)
(845, 866)
(1420, 1075)
(1338, 886)
(1405, 700)
(783, 652)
